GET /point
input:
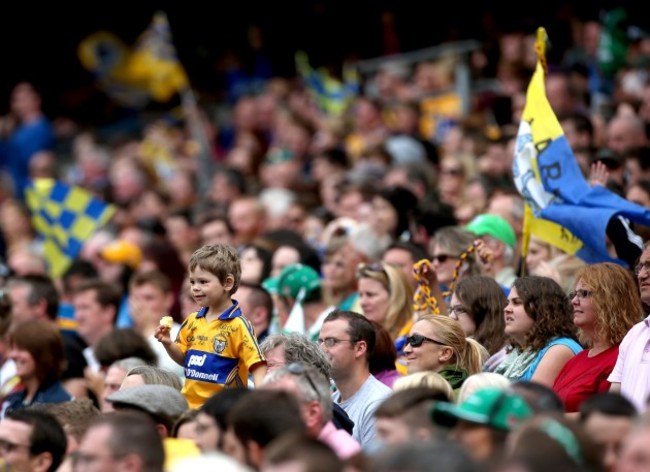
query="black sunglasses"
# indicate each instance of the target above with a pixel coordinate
(416, 340)
(442, 258)
(299, 370)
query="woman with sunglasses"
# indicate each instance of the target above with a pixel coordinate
(438, 343)
(606, 305)
(386, 297)
(538, 322)
(449, 243)
(477, 303)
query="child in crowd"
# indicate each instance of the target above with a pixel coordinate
(216, 345)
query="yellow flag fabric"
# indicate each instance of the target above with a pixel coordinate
(567, 211)
(64, 217)
(150, 70)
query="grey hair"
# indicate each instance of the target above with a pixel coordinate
(299, 348)
(128, 363)
(365, 241)
(157, 376)
(323, 394)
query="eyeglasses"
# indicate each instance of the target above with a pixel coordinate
(580, 293)
(7, 446)
(442, 258)
(416, 340)
(299, 371)
(456, 310)
(642, 266)
(331, 342)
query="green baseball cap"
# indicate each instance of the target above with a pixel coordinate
(492, 407)
(495, 226)
(295, 281)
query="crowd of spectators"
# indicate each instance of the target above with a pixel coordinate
(376, 259)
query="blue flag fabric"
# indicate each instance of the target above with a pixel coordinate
(548, 177)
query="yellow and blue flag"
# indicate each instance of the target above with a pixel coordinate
(133, 76)
(565, 210)
(64, 218)
(332, 96)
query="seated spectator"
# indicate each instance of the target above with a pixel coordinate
(483, 421)
(125, 439)
(113, 379)
(211, 421)
(477, 302)
(538, 321)
(605, 307)
(30, 437)
(553, 442)
(312, 389)
(151, 375)
(541, 398)
(162, 403)
(302, 451)
(428, 379)
(251, 429)
(37, 349)
(403, 417)
(438, 343)
(608, 418)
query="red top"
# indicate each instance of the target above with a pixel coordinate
(584, 376)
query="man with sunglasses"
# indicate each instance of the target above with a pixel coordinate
(312, 390)
(348, 339)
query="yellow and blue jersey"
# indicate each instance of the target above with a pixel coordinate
(218, 353)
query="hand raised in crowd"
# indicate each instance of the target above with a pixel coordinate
(598, 174)
(424, 272)
(485, 255)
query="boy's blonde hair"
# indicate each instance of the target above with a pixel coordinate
(221, 260)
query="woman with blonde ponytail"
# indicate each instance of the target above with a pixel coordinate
(437, 343)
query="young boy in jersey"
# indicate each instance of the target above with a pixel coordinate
(216, 345)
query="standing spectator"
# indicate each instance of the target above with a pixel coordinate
(538, 321)
(31, 440)
(217, 345)
(25, 131)
(605, 307)
(629, 377)
(348, 339)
